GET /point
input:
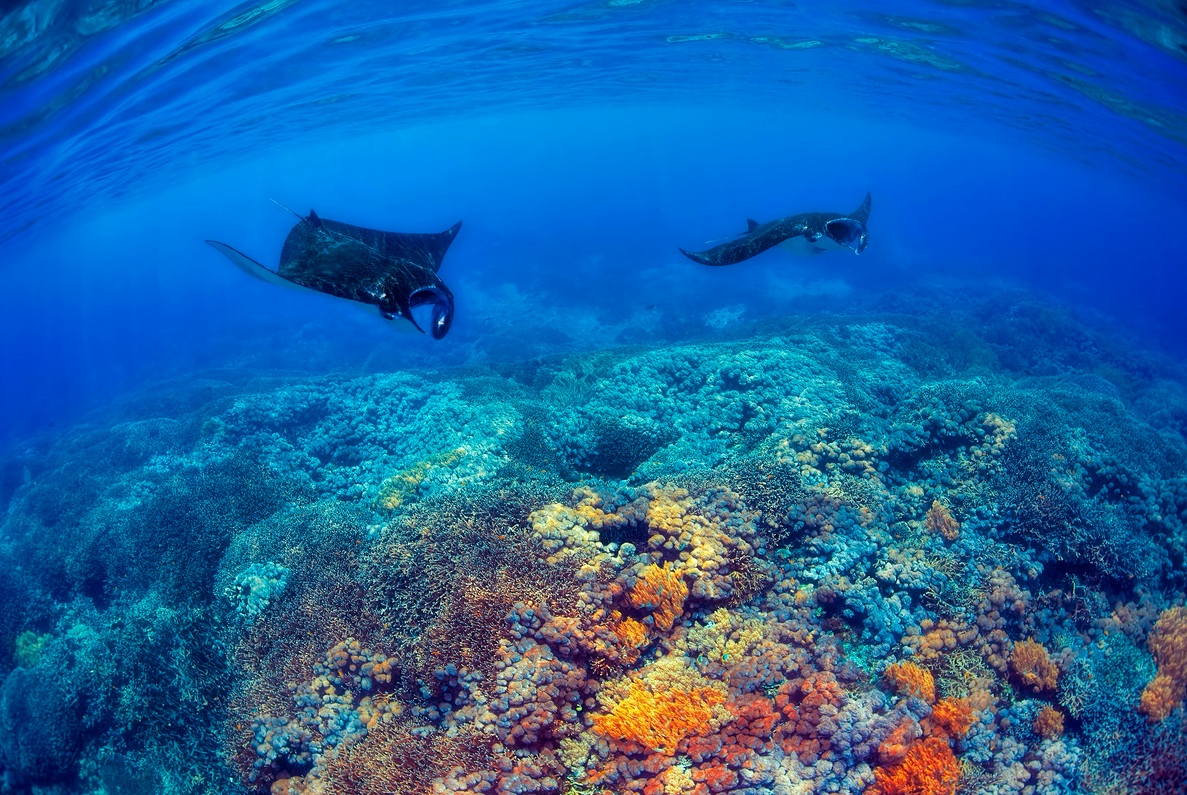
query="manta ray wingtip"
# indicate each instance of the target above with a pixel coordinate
(862, 213)
(700, 257)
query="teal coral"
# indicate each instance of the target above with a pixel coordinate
(255, 588)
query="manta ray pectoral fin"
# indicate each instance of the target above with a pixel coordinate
(255, 269)
(707, 257)
(751, 225)
(421, 247)
(862, 213)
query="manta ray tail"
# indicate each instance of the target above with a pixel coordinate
(278, 204)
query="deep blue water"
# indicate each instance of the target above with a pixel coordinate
(1003, 143)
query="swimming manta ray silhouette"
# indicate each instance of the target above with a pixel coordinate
(394, 272)
(806, 233)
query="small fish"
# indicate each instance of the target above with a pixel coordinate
(394, 272)
(806, 233)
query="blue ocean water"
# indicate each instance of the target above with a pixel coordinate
(221, 495)
(580, 144)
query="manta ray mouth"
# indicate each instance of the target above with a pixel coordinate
(849, 233)
(431, 309)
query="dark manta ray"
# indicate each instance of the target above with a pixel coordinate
(392, 271)
(806, 233)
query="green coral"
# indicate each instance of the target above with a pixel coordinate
(28, 649)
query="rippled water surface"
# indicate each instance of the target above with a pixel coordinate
(102, 99)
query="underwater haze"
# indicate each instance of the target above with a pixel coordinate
(909, 521)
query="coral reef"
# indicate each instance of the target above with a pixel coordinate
(836, 558)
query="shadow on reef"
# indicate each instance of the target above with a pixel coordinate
(883, 554)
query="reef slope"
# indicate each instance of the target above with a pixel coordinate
(891, 554)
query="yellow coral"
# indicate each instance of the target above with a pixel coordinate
(565, 531)
(659, 722)
(1049, 723)
(940, 520)
(401, 487)
(633, 636)
(28, 649)
(1168, 643)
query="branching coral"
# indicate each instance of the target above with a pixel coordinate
(659, 721)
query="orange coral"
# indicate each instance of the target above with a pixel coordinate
(1160, 698)
(632, 634)
(909, 678)
(660, 721)
(1168, 644)
(893, 749)
(1032, 665)
(952, 717)
(662, 591)
(288, 786)
(940, 520)
(929, 768)
(1049, 723)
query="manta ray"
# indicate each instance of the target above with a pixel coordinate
(394, 272)
(806, 233)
